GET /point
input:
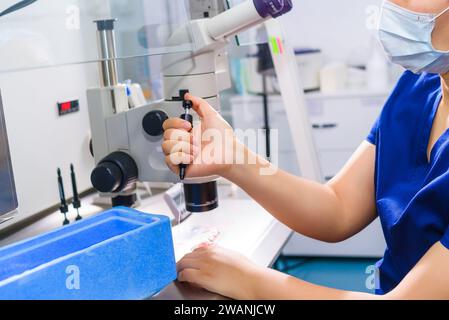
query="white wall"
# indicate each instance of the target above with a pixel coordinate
(40, 140)
(339, 27)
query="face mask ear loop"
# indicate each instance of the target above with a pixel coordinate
(440, 14)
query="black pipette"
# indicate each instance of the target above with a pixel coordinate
(76, 198)
(187, 105)
(64, 207)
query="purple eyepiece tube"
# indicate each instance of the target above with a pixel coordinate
(273, 8)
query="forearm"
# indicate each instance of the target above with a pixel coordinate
(307, 207)
(427, 280)
(268, 284)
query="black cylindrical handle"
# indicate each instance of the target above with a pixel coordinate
(187, 117)
(187, 105)
(201, 197)
(76, 198)
(64, 208)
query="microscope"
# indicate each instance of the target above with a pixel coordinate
(126, 142)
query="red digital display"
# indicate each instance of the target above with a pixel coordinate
(68, 107)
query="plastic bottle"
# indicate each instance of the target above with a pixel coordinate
(377, 69)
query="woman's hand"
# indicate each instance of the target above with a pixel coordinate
(220, 271)
(208, 149)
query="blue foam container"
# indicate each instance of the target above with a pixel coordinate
(118, 254)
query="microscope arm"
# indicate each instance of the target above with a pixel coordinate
(239, 19)
(208, 33)
(204, 70)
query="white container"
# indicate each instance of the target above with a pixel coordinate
(253, 80)
(333, 77)
(378, 73)
(310, 62)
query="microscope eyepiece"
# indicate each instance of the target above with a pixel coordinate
(273, 8)
(246, 15)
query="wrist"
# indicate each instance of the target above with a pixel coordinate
(234, 161)
(252, 279)
(246, 164)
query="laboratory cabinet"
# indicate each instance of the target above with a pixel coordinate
(340, 123)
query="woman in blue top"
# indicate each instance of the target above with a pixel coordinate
(400, 174)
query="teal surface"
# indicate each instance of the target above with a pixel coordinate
(340, 273)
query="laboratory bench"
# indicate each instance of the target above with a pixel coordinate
(239, 224)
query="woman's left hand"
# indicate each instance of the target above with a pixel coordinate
(220, 271)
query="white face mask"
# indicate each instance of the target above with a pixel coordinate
(407, 39)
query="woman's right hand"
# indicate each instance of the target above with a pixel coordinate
(208, 149)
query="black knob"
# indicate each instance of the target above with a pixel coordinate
(114, 173)
(153, 121)
(106, 177)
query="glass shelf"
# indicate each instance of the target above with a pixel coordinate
(51, 33)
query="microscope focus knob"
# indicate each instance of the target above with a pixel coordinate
(114, 173)
(153, 121)
(106, 177)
